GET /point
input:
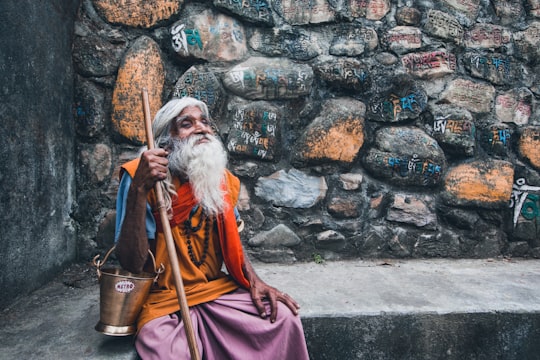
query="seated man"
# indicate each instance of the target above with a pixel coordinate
(235, 315)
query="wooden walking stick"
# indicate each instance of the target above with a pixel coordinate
(180, 292)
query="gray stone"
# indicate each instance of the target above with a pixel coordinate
(444, 25)
(303, 12)
(292, 189)
(402, 39)
(488, 36)
(255, 130)
(93, 52)
(404, 100)
(204, 34)
(414, 210)
(496, 68)
(343, 72)
(258, 11)
(278, 236)
(430, 65)
(370, 9)
(474, 96)
(89, 111)
(330, 240)
(201, 83)
(287, 42)
(406, 155)
(514, 106)
(454, 129)
(267, 78)
(354, 41)
(96, 162)
(527, 43)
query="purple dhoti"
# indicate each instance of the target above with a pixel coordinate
(228, 328)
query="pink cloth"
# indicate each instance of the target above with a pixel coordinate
(228, 328)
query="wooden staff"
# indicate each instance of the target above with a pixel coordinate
(180, 292)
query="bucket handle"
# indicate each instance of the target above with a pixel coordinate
(99, 263)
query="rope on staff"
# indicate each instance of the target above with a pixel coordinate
(171, 250)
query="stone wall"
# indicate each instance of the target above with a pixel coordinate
(359, 129)
(37, 156)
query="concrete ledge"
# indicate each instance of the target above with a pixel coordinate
(415, 309)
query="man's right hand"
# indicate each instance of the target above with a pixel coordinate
(152, 168)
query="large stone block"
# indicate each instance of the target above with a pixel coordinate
(256, 11)
(454, 129)
(488, 36)
(402, 39)
(137, 13)
(444, 25)
(201, 83)
(343, 72)
(485, 184)
(433, 64)
(528, 145)
(514, 106)
(336, 134)
(204, 34)
(303, 12)
(255, 130)
(474, 96)
(404, 100)
(269, 79)
(292, 43)
(140, 68)
(406, 156)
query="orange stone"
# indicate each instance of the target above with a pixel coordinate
(529, 143)
(485, 182)
(137, 13)
(339, 143)
(141, 68)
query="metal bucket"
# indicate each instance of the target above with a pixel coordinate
(121, 297)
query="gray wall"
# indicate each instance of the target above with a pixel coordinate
(37, 236)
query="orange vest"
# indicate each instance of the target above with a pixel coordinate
(206, 282)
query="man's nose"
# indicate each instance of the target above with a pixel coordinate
(201, 127)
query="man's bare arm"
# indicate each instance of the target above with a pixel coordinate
(260, 290)
(132, 245)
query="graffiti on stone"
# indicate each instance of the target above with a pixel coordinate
(345, 73)
(395, 108)
(353, 42)
(444, 25)
(369, 9)
(496, 68)
(292, 43)
(269, 79)
(200, 84)
(301, 12)
(496, 139)
(255, 131)
(525, 201)
(430, 64)
(487, 36)
(474, 96)
(254, 10)
(403, 38)
(182, 38)
(514, 106)
(424, 170)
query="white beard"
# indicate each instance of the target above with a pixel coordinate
(204, 166)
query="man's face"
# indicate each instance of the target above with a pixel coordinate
(191, 121)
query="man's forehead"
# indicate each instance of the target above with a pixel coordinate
(191, 111)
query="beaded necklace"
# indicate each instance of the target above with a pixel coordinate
(189, 229)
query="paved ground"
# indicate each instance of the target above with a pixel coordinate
(57, 321)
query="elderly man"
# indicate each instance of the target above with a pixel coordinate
(235, 314)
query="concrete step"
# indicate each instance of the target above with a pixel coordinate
(414, 309)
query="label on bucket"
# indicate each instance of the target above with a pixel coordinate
(124, 286)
